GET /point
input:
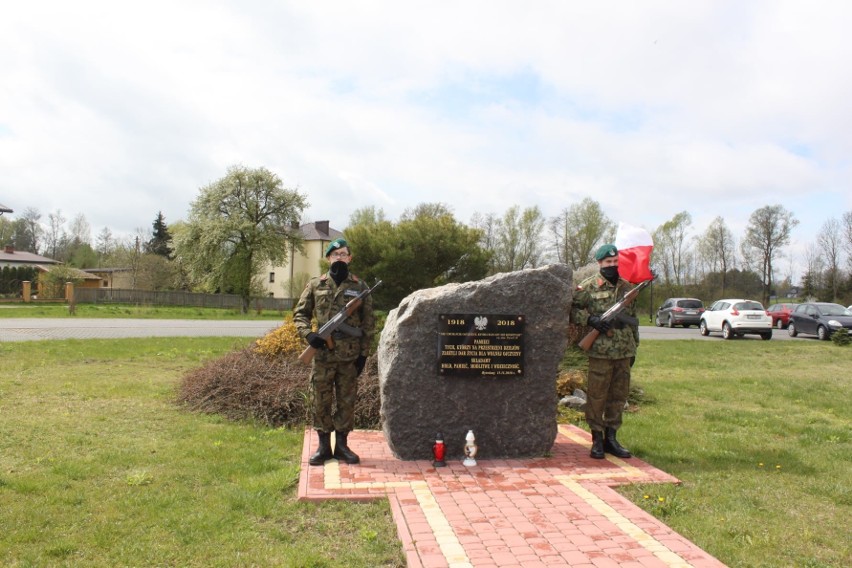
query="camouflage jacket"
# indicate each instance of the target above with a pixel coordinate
(322, 298)
(594, 296)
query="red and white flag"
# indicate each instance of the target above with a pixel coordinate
(634, 246)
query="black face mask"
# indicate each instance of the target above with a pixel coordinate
(339, 270)
(610, 273)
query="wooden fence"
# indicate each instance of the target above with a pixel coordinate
(175, 298)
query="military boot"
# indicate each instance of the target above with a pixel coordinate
(323, 452)
(597, 445)
(342, 451)
(612, 446)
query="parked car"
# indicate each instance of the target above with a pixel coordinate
(820, 319)
(679, 311)
(780, 314)
(735, 318)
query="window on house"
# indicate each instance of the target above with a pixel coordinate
(272, 277)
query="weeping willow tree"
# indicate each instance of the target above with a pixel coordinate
(236, 226)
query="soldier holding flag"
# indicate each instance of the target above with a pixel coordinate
(612, 354)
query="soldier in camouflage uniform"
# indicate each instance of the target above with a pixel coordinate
(334, 375)
(611, 355)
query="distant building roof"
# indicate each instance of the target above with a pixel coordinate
(9, 254)
(77, 273)
(4, 209)
(106, 270)
(319, 231)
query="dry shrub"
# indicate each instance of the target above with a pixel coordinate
(246, 385)
(266, 382)
(568, 381)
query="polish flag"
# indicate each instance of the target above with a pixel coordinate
(634, 246)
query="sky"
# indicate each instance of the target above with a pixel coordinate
(120, 110)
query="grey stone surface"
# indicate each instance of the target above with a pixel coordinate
(510, 417)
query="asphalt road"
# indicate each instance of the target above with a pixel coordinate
(653, 332)
(32, 329)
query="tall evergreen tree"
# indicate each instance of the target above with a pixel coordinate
(161, 238)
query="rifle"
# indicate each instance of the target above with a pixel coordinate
(586, 343)
(337, 321)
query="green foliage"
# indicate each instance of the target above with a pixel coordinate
(82, 255)
(518, 240)
(238, 225)
(426, 248)
(841, 338)
(53, 281)
(12, 277)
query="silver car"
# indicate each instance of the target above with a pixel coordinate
(735, 318)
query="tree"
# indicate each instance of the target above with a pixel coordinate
(716, 247)
(156, 272)
(7, 231)
(104, 243)
(579, 230)
(82, 256)
(236, 226)
(767, 232)
(80, 231)
(830, 242)
(78, 250)
(426, 248)
(160, 239)
(847, 237)
(812, 281)
(518, 244)
(671, 250)
(28, 231)
(56, 236)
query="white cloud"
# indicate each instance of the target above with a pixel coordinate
(120, 111)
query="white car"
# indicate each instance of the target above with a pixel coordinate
(735, 318)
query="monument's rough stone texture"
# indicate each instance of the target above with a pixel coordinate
(510, 417)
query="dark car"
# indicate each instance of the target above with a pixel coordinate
(679, 311)
(820, 319)
(780, 314)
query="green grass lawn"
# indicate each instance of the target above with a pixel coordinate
(98, 467)
(759, 433)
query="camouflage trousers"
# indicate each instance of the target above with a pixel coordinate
(330, 383)
(608, 385)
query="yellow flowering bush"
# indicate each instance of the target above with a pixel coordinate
(284, 340)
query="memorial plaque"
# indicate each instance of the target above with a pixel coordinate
(481, 345)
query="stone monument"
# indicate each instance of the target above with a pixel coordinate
(479, 356)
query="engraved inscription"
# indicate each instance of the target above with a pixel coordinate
(481, 345)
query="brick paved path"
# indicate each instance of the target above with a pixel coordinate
(542, 512)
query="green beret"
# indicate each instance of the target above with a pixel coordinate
(605, 251)
(334, 245)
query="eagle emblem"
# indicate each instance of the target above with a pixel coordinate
(481, 322)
